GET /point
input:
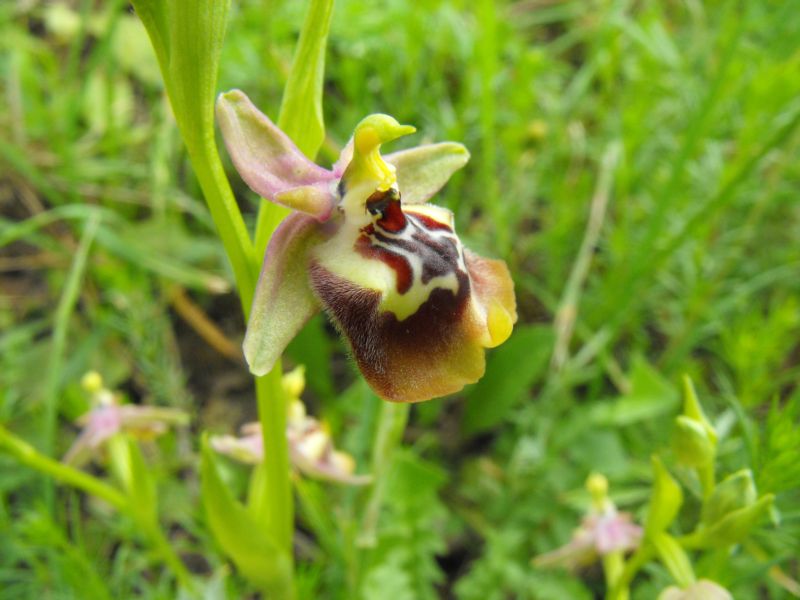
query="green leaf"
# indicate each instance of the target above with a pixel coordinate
(665, 501)
(241, 536)
(674, 557)
(301, 115)
(129, 467)
(187, 36)
(510, 371)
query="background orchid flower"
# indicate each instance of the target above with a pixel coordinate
(108, 417)
(311, 448)
(602, 531)
(417, 309)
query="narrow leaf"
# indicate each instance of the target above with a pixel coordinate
(242, 537)
(301, 109)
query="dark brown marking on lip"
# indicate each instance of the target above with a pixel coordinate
(429, 222)
(438, 256)
(403, 360)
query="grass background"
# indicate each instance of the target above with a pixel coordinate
(635, 163)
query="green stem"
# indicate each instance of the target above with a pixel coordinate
(613, 566)
(161, 544)
(27, 455)
(228, 220)
(66, 305)
(621, 587)
(391, 425)
(277, 485)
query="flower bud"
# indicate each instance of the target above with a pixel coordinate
(693, 410)
(294, 382)
(733, 493)
(691, 443)
(597, 486)
(92, 382)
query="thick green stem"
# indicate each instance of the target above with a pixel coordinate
(277, 485)
(228, 221)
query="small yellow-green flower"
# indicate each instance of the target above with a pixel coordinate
(415, 306)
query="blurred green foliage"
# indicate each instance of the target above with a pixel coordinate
(697, 270)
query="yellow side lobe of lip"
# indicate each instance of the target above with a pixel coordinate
(499, 323)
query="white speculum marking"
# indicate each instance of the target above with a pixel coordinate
(403, 244)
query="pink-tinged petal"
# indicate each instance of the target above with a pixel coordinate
(311, 448)
(335, 466)
(345, 156)
(268, 160)
(614, 531)
(579, 551)
(248, 449)
(422, 171)
(283, 302)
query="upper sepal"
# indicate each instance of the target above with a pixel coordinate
(269, 162)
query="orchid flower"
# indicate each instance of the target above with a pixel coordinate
(108, 417)
(417, 309)
(311, 448)
(602, 531)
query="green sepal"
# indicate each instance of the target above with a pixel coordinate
(735, 526)
(241, 536)
(734, 492)
(665, 501)
(693, 410)
(422, 171)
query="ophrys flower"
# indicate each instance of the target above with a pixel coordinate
(416, 308)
